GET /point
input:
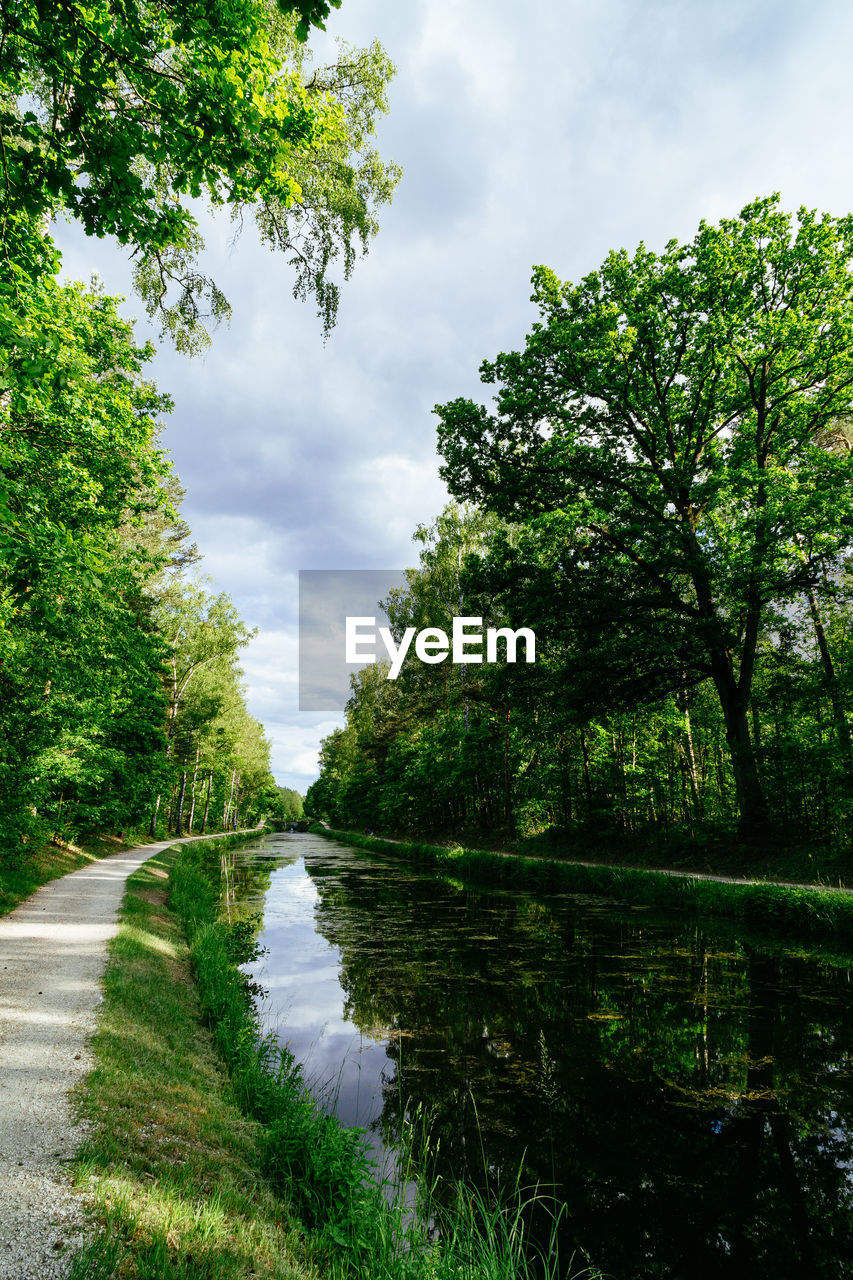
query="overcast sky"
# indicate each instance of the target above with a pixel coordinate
(529, 133)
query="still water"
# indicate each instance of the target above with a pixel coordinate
(686, 1091)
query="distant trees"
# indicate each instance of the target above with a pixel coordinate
(209, 734)
(438, 747)
(284, 807)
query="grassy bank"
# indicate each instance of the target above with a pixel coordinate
(207, 1156)
(171, 1163)
(22, 875)
(808, 911)
(703, 852)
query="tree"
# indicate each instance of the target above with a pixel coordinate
(200, 632)
(660, 439)
(282, 806)
(124, 114)
(80, 469)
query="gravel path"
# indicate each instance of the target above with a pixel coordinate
(52, 955)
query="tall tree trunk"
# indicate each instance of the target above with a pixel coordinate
(586, 779)
(752, 807)
(507, 789)
(195, 775)
(172, 806)
(207, 802)
(689, 756)
(170, 737)
(226, 808)
(152, 830)
(179, 813)
(734, 694)
(842, 727)
(463, 669)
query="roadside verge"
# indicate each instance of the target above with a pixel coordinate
(53, 949)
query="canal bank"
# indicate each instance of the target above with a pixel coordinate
(53, 949)
(206, 1155)
(810, 912)
(653, 1072)
(171, 1166)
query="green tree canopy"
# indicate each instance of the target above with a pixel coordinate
(81, 706)
(662, 438)
(124, 114)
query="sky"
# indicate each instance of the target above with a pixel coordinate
(528, 133)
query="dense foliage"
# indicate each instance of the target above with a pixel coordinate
(284, 808)
(665, 496)
(118, 676)
(124, 115)
(120, 692)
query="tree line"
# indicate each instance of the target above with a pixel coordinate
(121, 698)
(662, 490)
(119, 668)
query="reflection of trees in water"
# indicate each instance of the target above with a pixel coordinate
(245, 881)
(789, 1138)
(691, 1099)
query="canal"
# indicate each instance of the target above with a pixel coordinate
(684, 1091)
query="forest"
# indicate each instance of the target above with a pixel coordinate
(122, 697)
(388, 1047)
(662, 491)
(122, 706)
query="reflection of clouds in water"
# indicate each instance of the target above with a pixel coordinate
(305, 1002)
(345, 1070)
(296, 909)
(303, 890)
(554, 1033)
(313, 1009)
(290, 902)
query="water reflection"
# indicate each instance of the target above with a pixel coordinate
(688, 1094)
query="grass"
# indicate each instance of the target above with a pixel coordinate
(718, 852)
(22, 874)
(172, 1164)
(807, 911)
(706, 848)
(26, 871)
(207, 1156)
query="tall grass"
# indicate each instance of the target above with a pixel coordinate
(354, 1229)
